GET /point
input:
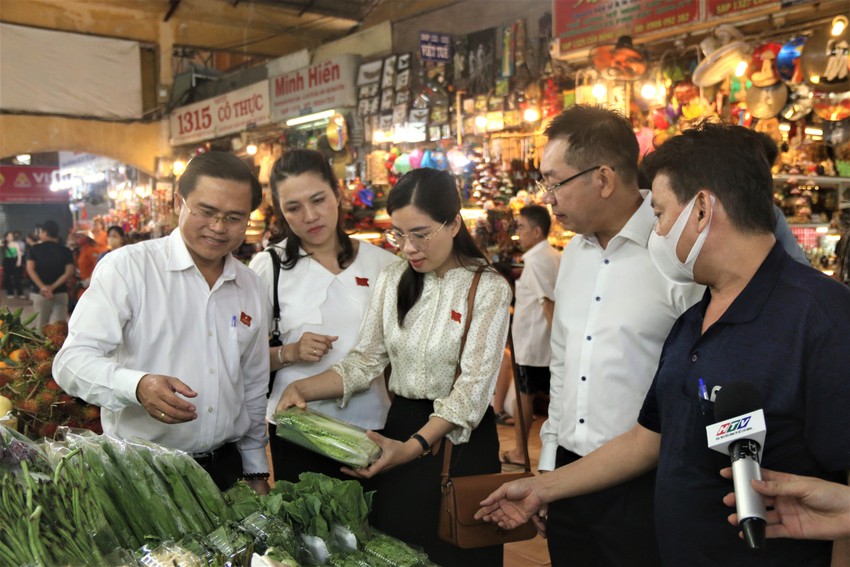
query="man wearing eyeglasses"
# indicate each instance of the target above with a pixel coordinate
(169, 339)
(613, 310)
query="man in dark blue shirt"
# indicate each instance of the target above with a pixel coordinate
(765, 319)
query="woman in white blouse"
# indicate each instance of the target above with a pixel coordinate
(415, 322)
(324, 287)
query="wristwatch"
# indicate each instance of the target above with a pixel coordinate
(426, 448)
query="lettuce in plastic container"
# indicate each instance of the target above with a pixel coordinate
(314, 550)
(327, 436)
(393, 552)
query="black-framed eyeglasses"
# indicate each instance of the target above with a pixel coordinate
(549, 189)
(229, 221)
(419, 241)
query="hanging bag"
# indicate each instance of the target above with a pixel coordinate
(274, 338)
(462, 495)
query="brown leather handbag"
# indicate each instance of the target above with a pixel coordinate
(462, 495)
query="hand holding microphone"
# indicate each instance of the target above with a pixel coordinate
(740, 432)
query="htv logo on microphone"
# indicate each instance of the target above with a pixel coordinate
(733, 425)
(745, 426)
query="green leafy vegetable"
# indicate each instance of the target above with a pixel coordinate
(327, 436)
(394, 552)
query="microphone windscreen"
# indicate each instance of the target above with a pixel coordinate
(736, 398)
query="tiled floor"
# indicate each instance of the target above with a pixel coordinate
(534, 552)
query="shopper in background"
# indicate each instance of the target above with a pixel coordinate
(88, 252)
(170, 338)
(324, 287)
(100, 236)
(114, 240)
(533, 310)
(783, 232)
(764, 319)
(13, 258)
(50, 266)
(415, 323)
(613, 310)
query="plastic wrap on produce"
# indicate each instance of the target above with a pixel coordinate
(393, 552)
(327, 436)
(15, 447)
(169, 554)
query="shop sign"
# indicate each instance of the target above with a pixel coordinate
(435, 46)
(225, 114)
(322, 86)
(723, 8)
(29, 184)
(579, 24)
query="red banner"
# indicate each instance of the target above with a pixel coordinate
(25, 184)
(579, 24)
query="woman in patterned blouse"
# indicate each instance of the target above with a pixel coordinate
(415, 323)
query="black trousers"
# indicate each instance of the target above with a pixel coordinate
(610, 528)
(407, 502)
(12, 277)
(224, 465)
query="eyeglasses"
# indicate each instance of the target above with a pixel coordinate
(229, 221)
(548, 189)
(395, 238)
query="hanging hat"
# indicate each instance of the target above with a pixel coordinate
(721, 61)
(337, 132)
(762, 68)
(402, 163)
(621, 61)
(766, 102)
(416, 156)
(825, 60)
(799, 103)
(832, 106)
(788, 60)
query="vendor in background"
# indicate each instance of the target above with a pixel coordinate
(114, 240)
(324, 287)
(100, 236)
(88, 252)
(415, 322)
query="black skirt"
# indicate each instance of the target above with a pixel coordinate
(407, 499)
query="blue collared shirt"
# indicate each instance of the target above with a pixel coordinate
(787, 333)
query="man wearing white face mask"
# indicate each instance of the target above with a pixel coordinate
(765, 319)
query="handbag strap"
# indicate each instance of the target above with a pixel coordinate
(470, 302)
(276, 303)
(275, 338)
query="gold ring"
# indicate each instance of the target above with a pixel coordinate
(314, 352)
(161, 415)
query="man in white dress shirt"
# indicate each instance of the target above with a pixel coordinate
(534, 304)
(170, 338)
(613, 310)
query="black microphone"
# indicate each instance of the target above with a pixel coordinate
(741, 430)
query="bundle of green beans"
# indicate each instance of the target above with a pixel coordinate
(51, 520)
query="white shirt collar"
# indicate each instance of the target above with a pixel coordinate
(536, 248)
(179, 258)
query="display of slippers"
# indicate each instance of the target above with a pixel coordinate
(503, 418)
